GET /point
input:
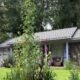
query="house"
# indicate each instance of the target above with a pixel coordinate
(64, 44)
(6, 48)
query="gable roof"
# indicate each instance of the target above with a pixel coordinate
(59, 34)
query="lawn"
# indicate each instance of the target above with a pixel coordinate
(61, 74)
(3, 72)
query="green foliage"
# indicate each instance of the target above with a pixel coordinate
(29, 15)
(40, 13)
(69, 65)
(3, 37)
(59, 13)
(54, 12)
(74, 75)
(45, 13)
(10, 18)
(30, 62)
(68, 13)
(9, 62)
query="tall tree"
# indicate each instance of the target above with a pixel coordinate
(59, 13)
(68, 14)
(10, 19)
(45, 10)
(30, 63)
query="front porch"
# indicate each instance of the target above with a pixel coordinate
(63, 51)
(74, 52)
(59, 52)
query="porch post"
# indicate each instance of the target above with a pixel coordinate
(45, 48)
(11, 51)
(67, 51)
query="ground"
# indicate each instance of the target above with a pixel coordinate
(61, 74)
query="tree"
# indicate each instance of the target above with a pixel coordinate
(45, 11)
(68, 14)
(59, 13)
(10, 18)
(30, 63)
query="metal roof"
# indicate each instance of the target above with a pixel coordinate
(65, 33)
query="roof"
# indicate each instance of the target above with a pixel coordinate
(77, 35)
(11, 42)
(59, 34)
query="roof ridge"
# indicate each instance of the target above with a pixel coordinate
(74, 33)
(56, 30)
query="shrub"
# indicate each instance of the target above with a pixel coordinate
(69, 65)
(30, 62)
(74, 75)
(30, 67)
(9, 62)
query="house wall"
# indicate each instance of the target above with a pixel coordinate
(4, 53)
(57, 49)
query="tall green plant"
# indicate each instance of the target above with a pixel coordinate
(74, 75)
(30, 62)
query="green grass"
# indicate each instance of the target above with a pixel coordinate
(61, 74)
(3, 72)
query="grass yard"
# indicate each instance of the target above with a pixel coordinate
(3, 72)
(61, 74)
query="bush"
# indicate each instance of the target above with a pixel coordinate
(35, 70)
(30, 64)
(74, 75)
(69, 65)
(9, 62)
